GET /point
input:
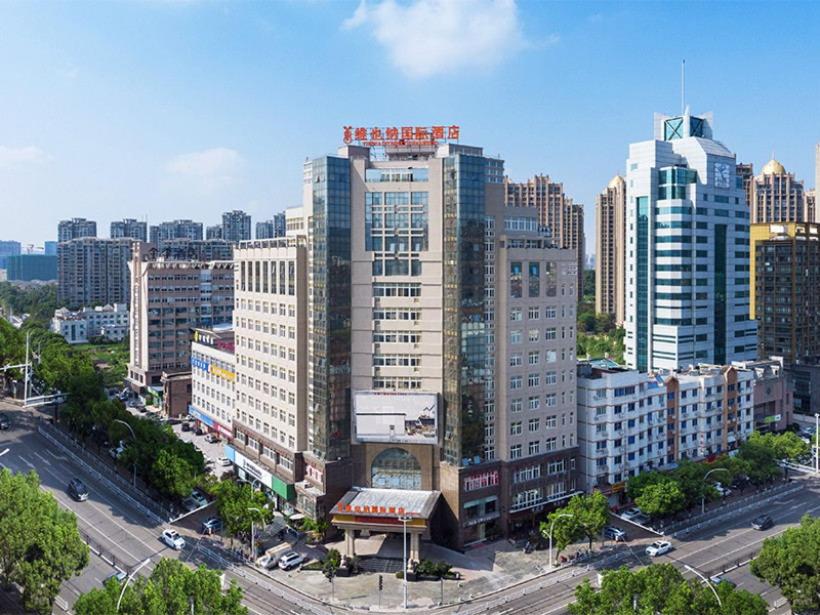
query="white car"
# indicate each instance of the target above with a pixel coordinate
(722, 491)
(173, 539)
(631, 513)
(266, 562)
(659, 547)
(291, 559)
(224, 461)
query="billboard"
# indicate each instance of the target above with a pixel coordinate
(410, 418)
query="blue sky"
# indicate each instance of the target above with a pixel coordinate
(173, 109)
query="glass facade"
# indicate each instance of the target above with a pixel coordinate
(720, 294)
(642, 278)
(330, 403)
(396, 231)
(464, 327)
(395, 468)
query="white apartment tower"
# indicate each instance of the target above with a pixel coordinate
(687, 288)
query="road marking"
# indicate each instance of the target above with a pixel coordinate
(27, 462)
(41, 458)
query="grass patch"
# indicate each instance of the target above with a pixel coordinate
(111, 359)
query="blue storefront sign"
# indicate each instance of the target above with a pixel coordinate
(200, 416)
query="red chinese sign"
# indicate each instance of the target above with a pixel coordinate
(405, 135)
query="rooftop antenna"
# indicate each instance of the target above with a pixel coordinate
(682, 86)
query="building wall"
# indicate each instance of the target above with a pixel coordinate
(75, 229)
(29, 267)
(93, 271)
(129, 227)
(213, 386)
(777, 196)
(610, 254)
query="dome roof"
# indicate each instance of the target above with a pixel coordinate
(773, 167)
(616, 182)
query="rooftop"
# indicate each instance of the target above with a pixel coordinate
(388, 502)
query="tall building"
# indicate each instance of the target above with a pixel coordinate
(75, 229)
(213, 232)
(687, 288)
(197, 249)
(50, 248)
(269, 229)
(168, 298)
(371, 365)
(777, 196)
(817, 173)
(8, 248)
(92, 271)
(236, 226)
(610, 253)
(29, 267)
(128, 227)
(557, 212)
(177, 229)
(213, 379)
(785, 275)
(745, 175)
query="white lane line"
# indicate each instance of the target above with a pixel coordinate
(41, 458)
(27, 462)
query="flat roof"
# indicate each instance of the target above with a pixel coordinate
(388, 502)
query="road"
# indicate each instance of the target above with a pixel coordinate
(125, 538)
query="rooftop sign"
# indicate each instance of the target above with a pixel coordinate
(406, 135)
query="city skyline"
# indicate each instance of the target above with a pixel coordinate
(239, 117)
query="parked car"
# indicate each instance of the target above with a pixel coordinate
(212, 438)
(723, 492)
(614, 533)
(211, 525)
(118, 576)
(267, 562)
(199, 431)
(291, 559)
(199, 497)
(173, 539)
(630, 513)
(659, 547)
(762, 522)
(186, 426)
(117, 451)
(5, 421)
(224, 461)
(78, 490)
(716, 579)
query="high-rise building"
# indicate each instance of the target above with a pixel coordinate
(29, 267)
(556, 211)
(785, 277)
(200, 250)
(50, 248)
(811, 206)
(410, 336)
(8, 248)
(777, 196)
(177, 229)
(75, 229)
(610, 253)
(687, 288)
(93, 271)
(745, 175)
(128, 227)
(213, 232)
(236, 226)
(168, 298)
(269, 229)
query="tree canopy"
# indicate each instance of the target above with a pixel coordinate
(584, 516)
(234, 501)
(40, 545)
(661, 498)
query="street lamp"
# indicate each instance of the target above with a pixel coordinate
(552, 526)
(253, 544)
(705, 580)
(404, 519)
(703, 495)
(135, 441)
(127, 580)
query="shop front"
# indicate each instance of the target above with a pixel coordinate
(283, 494)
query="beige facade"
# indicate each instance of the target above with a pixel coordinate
(778, 197)
(610, 253)
(213, 379)
(557, 211)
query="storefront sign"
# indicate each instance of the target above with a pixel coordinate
(394, 136)
(775, 418)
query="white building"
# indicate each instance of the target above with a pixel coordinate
(213, 379)
(687, 274)
(622, 427)
(109, 322)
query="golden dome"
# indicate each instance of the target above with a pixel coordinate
(616, 182)
(773, 167)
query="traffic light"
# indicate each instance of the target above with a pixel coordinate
(381, 583)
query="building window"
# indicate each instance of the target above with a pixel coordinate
(395, 468)
(515, 451)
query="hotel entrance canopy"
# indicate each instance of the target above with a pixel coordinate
(381, 510)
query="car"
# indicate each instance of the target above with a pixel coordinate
(199, 497)
(77, 490)
(211, 525)
(224, 461)
(631, 513)
(117, 452)
(213, 438)
(5, 421)
(186, 427)
(614, 533)
(723, 492)
(199, 431)
(266, 561)
(173, 539)
(291, 559)
(659, 547)
(716, 579)
(762, 522)
(118, 576)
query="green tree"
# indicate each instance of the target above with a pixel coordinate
(759, 454)
(588, 514)
(786, 445)
(40, 546)
(661, 499)
(636, 485)
(172, 475)
(331, 563)
(234, 501)
(791, 561)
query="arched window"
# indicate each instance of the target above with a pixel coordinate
(395, 468)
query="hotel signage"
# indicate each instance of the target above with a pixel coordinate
(398, 136)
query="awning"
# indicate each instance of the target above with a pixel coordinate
(296, 517)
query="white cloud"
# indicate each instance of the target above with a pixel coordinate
(429, 37)
(28, 154)
(211, 169)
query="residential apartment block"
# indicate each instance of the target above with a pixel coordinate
(78, 327)
(687, 263)
(610, 255)
(213, 379)
(176, 229)
(30, 267)
(128, 227)
(213, 232)
(92, 271)
(8, 248)
(76, 228)
(776, 196)
(269, 229)
(236, 226)
(773, 394)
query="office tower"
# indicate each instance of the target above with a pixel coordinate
(621, 424)
(236, 226)
(213, 379)
(371, 365)
(811, 206)
(8, 248)
(128, 227)
(177, 229)
(29, 267)
(610, 253)
(785, 278)
(75, 229)
(687, 289)
(745, 175)
(777, 196)
(50, 248)
(92, 271)
(557, 212)
(269, 229)
(168, 298)
(213, 232)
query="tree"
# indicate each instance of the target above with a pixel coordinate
(760, 456)
(234, 501)
(40, 546)
(636, 484)
(791, 561)
(786, 445)
(331, 563)
(661, 499)
(588, 514)
(172, 475)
